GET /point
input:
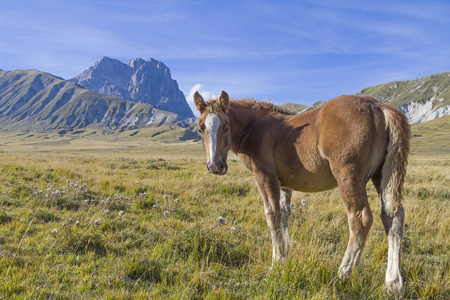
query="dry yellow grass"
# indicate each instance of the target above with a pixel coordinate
(148, 246)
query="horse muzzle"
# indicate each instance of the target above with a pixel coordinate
(217, 168)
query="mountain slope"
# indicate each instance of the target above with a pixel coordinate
(293, 107)
(32, 100)
(421, 99)
(138, 81)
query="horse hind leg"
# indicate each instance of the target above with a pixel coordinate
(393, 225)
(354, 196)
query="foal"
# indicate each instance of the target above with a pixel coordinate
(344, 143)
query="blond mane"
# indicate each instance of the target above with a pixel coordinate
(212, 106)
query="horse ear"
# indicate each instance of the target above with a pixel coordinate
(199, 102)
(224, 101)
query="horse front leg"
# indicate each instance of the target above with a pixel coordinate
(269, 188)
(285, 205)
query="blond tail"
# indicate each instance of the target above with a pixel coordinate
(394, 168)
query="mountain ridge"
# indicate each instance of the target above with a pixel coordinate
(34, 100)
(143, 81)
(421, 99)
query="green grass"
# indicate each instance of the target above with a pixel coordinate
(432, 138)
(118, 236)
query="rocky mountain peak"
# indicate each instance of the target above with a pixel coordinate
(33, 100)
(144, 81)
(136, 63)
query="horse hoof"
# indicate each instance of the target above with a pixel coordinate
(394, 288)
(344, 272)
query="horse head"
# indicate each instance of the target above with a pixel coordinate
(214, 128)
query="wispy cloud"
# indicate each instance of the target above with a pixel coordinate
(205, 94)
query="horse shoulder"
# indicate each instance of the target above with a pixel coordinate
(246, 160)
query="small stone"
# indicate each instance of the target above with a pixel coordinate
(54, 231)
(97, 222)
(166, 213)
(222, 220)
(106, 211)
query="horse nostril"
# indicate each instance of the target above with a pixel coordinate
(213, 168)
(222, 167)
(218, 167)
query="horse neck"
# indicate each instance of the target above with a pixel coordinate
(243, 124)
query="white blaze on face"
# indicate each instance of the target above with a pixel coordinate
(212, 125)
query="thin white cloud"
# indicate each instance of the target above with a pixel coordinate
(190, 97)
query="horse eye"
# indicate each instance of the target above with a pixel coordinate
(200, 130)
(225, 130)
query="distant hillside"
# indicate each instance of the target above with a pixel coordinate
(431, 137)
(293, 107)
(143, 81)
(421, 99)
(33, 100)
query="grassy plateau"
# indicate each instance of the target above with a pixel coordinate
(123, 217)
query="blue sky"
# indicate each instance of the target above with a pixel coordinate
(283, 51)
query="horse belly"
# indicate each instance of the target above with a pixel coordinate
(301, 179)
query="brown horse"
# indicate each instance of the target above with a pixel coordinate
(344, 143)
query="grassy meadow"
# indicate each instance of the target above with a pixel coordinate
(124, 217)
